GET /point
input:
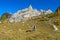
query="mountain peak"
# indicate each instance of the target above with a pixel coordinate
(30, 7)
(49, 10)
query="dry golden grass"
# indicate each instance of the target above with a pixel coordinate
(17, 31)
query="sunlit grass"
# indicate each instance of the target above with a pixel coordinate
(17, 31)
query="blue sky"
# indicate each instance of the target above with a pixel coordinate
(15, 5)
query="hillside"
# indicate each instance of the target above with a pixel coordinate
(23, 30)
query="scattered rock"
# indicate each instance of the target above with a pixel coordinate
(28, 31)
(23, 22)
(55, 27)
(20, 30)
(0, 21)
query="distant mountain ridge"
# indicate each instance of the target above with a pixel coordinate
(28, 13)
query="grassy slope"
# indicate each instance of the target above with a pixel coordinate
(17, 31)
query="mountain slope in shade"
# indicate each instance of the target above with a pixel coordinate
(8, 15)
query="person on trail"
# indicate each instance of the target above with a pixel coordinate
(33, 28)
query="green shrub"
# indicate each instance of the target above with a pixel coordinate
(3, 18)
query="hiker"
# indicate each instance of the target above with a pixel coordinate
(33, 28)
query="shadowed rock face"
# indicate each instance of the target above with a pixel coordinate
(58, 11)
(8, 15)
(58, 8)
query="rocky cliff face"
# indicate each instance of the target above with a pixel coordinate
(27, 13)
